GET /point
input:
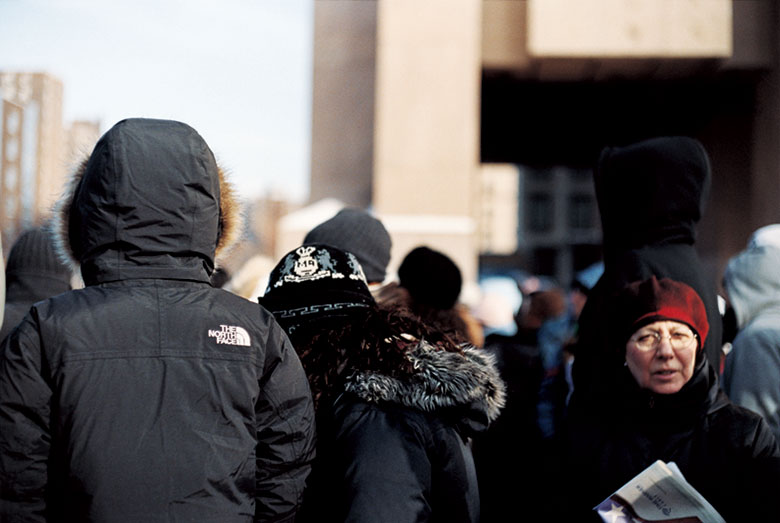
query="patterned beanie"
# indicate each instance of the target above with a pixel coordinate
(644, 302)
(316, 282)
(356, 231)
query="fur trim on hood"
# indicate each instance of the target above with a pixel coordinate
(443, 380)
(116, 179)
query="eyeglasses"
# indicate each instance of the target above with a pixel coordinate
(650, 340)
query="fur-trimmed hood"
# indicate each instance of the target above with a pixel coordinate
(149, 202)
(467, 381)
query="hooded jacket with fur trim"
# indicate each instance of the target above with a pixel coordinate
(397, 448)
(149, 395)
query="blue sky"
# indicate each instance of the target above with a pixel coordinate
(238, 71)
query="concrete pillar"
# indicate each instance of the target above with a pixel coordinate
(343, 101)
(426, 140)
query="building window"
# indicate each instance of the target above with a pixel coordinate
(581, 212)
(542, 174)
(580, 175)
(540, 212)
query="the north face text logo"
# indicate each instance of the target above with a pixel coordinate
(230, 335)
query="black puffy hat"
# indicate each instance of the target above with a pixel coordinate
(651, 191)
(316, 282)
(431, 278)
(34, 253)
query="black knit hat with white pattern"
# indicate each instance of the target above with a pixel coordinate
(315, 282)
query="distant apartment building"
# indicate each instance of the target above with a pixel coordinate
(31, 167)
(37, 151)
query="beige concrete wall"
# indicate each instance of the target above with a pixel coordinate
(427, 106)
(504, 30)
(755, 34)
(629, 28)
(498, 208)
(343, 100)
(596, 39)
(426, 147)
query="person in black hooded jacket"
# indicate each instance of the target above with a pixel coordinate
(397, 402)
(666, 405)
(651, 195)
(34, 272)
(149, 395)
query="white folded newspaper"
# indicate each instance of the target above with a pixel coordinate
(658, 493)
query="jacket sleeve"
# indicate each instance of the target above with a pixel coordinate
(752, 374)
(285, 431)
(385, 468)
(24, 426)
(760, 477)
(2, 284)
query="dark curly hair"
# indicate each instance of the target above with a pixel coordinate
(376, 341)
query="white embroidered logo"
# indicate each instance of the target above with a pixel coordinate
(230, 335)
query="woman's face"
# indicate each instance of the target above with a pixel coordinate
(661, 356)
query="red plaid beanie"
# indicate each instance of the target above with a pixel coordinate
(644, 302)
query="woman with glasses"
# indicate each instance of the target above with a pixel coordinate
(667, 406)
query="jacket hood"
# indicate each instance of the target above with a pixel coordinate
(467, 382)
(149, 202)
(652, 192)
(752, 282)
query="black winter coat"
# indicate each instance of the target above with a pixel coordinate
(149, 395)
(724, 451)
(651, 195)
(397, 451)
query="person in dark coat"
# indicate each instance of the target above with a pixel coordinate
(149, 395)
(429, 285)
(667, 406)
(396, 402)
(651, 195)
(34, 272)
(2, 283)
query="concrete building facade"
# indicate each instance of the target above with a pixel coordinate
(410, 98)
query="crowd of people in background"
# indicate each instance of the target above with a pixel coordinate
(138, 384)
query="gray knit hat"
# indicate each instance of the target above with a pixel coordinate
(356, 231)
(33, 253)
